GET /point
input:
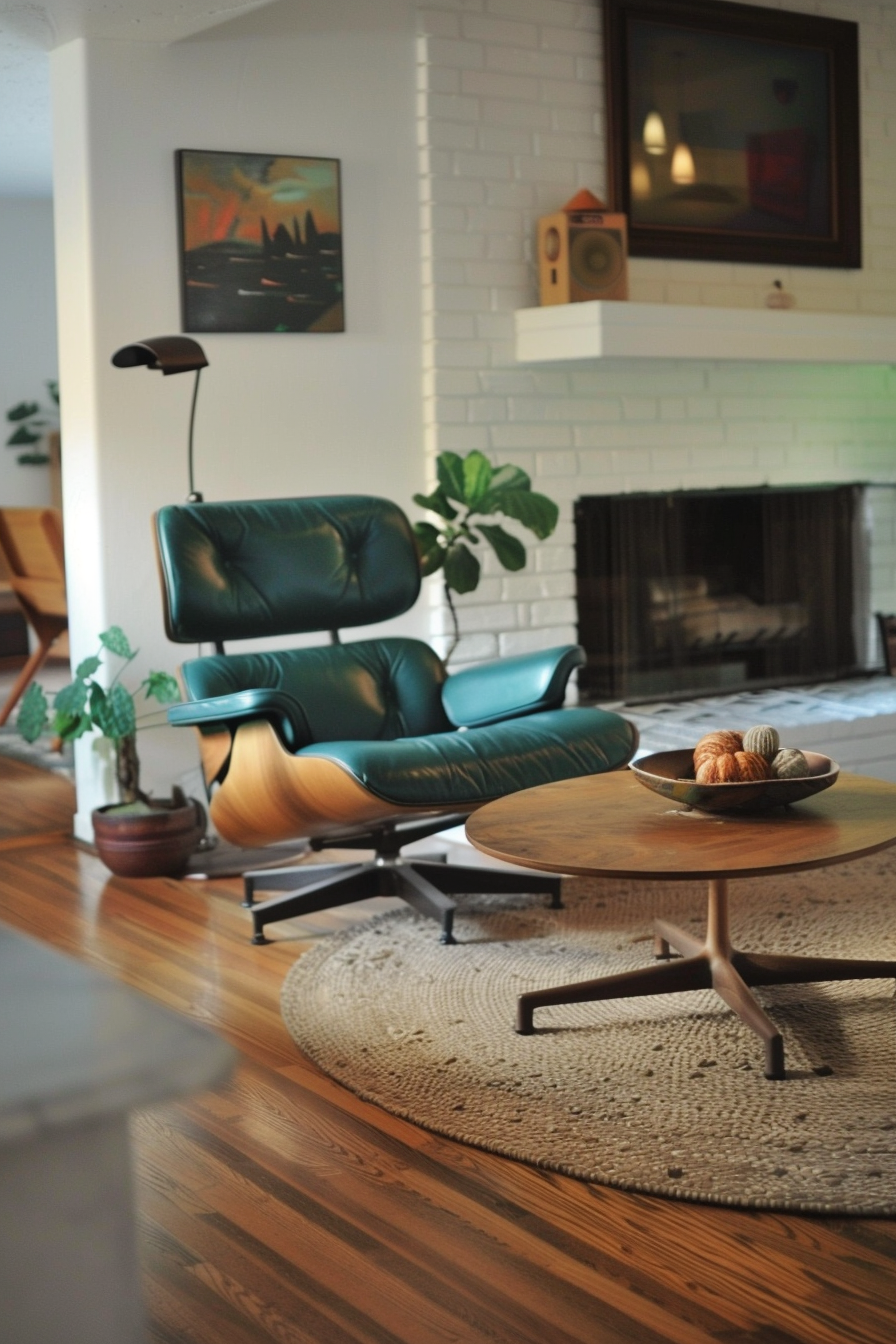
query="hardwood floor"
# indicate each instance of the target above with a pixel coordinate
(282, 1208)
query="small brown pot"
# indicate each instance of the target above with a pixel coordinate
(155, 844)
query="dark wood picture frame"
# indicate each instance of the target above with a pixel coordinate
(260, 242)
(772, 106)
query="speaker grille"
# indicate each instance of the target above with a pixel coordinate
(596, 258)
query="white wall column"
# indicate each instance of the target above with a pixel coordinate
(78, 359)
(278, 414)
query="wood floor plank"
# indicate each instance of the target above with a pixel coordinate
(280, 1207)
(405, 1221)
(38, 801)
(627, 1249)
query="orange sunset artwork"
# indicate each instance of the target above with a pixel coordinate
(261, 242)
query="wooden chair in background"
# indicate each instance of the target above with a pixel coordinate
(31, 552)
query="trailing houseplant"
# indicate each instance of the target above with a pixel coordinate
(469, 491)
(32, 421)
(139, 835)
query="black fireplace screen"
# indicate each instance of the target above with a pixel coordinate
(716, 590)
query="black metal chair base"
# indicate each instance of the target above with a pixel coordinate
(426, 885)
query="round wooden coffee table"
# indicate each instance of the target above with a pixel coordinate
(612, 826)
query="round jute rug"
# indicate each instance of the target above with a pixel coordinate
(664, 1095)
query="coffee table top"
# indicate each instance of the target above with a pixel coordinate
(610, 825)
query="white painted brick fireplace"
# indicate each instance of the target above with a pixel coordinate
(511, 124)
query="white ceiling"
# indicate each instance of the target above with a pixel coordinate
(28, 33)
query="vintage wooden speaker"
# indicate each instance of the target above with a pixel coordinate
(582, 253)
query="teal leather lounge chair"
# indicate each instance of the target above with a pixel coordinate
(367, 744)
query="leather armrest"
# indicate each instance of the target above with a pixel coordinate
(229, 711)
(531, 682)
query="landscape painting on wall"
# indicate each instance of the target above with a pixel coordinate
(734, 132)
(260, 242)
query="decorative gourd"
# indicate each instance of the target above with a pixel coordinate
(790, 763)
(763, 739)
(733, 767)
(752, 765)
(720, 769)
(717, 744)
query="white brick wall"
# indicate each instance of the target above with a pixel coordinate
(511, 124)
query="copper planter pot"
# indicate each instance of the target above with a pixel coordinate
(149, 844)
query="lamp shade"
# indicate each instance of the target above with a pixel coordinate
(654, 134)
(683, 170)
(171, 354)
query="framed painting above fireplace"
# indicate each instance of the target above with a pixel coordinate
(734, 132)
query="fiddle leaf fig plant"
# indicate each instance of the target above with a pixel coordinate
(86, 704)
(469, 490)
(31, 421)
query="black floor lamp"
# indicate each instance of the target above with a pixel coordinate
(171, 354)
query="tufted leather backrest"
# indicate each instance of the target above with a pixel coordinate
(369, 690)
(256, 568)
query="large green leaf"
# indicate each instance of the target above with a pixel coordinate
(23, 411)
(461, 568)
(71, 726)
(22, 436)
(477, 477)
(98, 707)
(429, 548)
(534, 511)
(163, 687)
(116, 641)
(33, 713)
(438, 503)
(120, 716)
(509, 478)
(509, 550)
(87, 667)
(450, 470)
(70, 701)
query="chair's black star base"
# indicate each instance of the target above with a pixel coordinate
(711, 964)
(426, 885)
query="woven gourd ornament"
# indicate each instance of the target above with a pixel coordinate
(790, 764)
(752, 765)
(720, 769)
(763, 739)
(716, 744)
(733, 767)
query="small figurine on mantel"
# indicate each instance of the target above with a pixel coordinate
(779, 297)
(582, 252)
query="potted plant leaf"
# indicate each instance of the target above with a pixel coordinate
(470, 490)
(138, 836)
(31, 423)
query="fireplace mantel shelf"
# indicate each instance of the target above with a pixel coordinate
(603, 330)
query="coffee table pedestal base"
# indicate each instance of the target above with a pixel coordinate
(711, 964)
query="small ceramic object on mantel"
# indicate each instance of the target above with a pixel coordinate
(779, 297)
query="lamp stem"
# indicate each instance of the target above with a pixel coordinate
(194, 497)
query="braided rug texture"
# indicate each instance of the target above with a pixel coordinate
(664, 1095)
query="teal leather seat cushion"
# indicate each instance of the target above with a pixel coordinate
(467, 767)
(370, 688)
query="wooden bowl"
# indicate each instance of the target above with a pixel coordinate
(671, 773)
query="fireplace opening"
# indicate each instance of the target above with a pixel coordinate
(713, 590)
